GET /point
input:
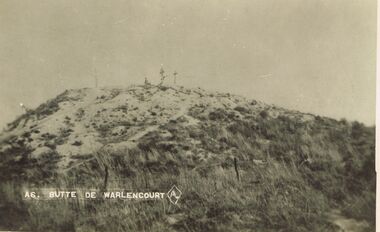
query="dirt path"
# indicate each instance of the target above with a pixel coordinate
(347, 224)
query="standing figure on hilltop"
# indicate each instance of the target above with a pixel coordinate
(146, 82)
(175, 77)
(163, 76)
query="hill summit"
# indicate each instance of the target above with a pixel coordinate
(241, 164)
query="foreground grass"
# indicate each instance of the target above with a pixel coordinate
(267, 198)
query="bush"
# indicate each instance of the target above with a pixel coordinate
(264, 114)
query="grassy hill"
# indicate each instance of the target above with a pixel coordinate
(294, 169)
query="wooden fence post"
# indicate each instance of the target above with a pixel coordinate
(145, 179)
(105, 179)
(236, 169)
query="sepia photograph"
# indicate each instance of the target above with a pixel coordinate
(188, 115)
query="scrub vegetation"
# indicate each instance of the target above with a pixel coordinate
(293, 168)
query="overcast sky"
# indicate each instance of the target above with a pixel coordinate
(308, 55)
